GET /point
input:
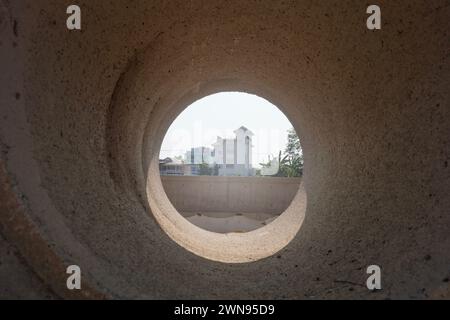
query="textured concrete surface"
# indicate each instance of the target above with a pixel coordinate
(270, 195)
(83, 114)
(229, 222)
(17, 281)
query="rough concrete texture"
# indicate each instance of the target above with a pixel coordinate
(83, 114)
(16, 280)
(266, 195)
(229, 223)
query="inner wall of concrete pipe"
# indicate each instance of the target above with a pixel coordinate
(84, 113)
(148, 119)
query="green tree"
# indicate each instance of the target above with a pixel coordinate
(291, 162)
(293, 147)
(205, 170)
(215, 170)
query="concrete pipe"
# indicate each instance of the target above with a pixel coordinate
(84, 112)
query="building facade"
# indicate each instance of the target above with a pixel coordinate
(234, 156)
(229, 157)
(171, 167)
(195, 158)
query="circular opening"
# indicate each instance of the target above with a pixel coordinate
(231, 162)
(224, 215)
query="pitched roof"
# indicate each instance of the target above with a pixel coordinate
(244, 129)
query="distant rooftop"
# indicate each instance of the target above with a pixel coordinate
(244, 129)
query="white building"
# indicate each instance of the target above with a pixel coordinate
(234, 156)
(196, 157)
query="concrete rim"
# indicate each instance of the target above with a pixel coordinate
(227, 248)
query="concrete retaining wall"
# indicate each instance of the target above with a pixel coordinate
(271, 195)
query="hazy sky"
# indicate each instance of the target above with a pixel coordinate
(222, 113)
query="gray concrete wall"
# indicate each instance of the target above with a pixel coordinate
(271, 195)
